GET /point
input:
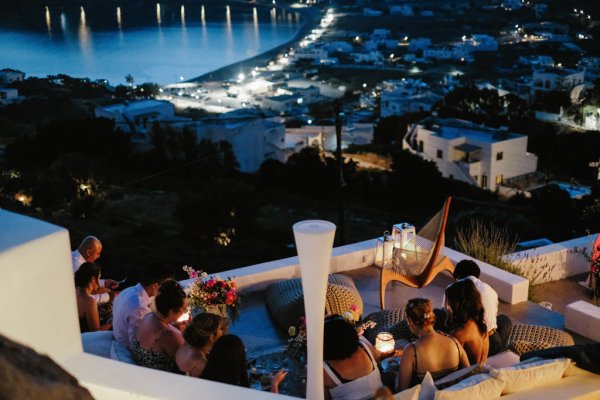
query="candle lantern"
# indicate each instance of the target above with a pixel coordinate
(383, 249)
(384, 342)
(402, 234)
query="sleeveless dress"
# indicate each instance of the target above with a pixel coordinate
(359, 389)
(152, 359)
(417, 377)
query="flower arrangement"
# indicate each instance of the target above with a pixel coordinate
(297, 342)
(206, 292)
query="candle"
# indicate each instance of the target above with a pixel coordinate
(384, 342)
(184, 317)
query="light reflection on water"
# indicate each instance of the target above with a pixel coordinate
(183, 40)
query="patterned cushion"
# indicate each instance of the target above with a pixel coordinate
(525, 338)
(285, 299)
(392, 320)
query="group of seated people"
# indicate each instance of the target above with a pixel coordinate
(464, 337)
(466, 331)
(159, 338)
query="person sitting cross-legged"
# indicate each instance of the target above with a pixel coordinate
(433, 351)
(157, 340)
(87, 279)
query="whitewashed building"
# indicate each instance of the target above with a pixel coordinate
(311, 53)
(480, 156)
(537, 61)
(323, 136)
(9, 96)
(138, 118)
(556, 79)
(406, 96)
(8, 75)
(420, 43)
(253, 139)
(480, 42)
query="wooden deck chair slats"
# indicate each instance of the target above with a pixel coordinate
(418, 262)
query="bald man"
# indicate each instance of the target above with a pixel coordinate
(89, 251)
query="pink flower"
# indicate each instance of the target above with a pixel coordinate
(210, 283)
(354, 308)
(193, 274)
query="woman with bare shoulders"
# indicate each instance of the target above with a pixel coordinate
(199, 335)
(465, 319)
(87, 280)
(157, 340)
(433, 352)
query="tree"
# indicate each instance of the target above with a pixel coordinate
(129, 79)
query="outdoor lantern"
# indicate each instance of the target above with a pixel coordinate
(402, 234)
(384, 342)
(383, 249)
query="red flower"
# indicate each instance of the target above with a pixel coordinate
(210, 283)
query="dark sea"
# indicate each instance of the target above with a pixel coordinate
(154, 42)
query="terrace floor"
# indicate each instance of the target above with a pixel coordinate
(260, 333)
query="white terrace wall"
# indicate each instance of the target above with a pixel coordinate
(560, 257)
(38, 309)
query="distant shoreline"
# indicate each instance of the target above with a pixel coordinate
(310, 17)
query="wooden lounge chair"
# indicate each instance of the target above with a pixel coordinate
(418, 262)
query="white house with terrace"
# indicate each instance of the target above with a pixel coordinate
(462, 150)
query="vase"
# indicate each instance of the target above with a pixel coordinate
(217, 309)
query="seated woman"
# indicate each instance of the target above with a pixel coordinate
(433, 351)
(157, 340)
(227, 364)
(87, 280)
(199, 337)
(350, 362)
(465, 319)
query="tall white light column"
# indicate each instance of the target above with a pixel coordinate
(314, 242)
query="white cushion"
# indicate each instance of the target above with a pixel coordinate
(524, 376)
(97, 343)
(502, 360)
(476, 387)
(121, 353)
(408, 394)
(427, 388)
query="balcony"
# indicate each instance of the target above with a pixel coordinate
(36, 260)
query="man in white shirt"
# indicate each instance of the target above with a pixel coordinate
(89, 251)
(498, 326)
(134, 302)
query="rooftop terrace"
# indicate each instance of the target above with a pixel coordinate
(35, 258)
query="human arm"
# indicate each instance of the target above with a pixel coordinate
(277, 378)
(405, 370)
(170, 341)
(133, 321)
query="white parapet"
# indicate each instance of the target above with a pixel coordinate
(583, 318)
(511, 289)
(555, 261)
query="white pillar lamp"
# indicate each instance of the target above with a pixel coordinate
(314, 242)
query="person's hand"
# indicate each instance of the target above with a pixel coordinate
(111, 284)
(277, 378)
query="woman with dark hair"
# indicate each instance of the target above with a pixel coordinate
(199, 337)
(87, 280)
(465, 319)
(227, 364)
(433, 352)
(350, 362)
(157, 340)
